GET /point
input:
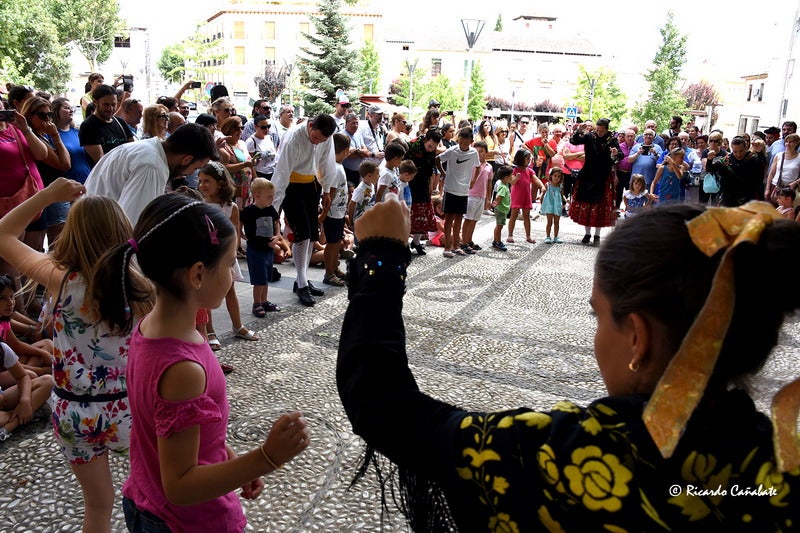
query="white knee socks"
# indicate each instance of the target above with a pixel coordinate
(302, 254)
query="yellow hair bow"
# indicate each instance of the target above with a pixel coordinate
(683, 383)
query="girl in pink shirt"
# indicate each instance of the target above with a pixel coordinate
(183, 474)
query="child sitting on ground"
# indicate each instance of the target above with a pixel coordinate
(261, 229)
(18, 402)
(37, 357)
(786, 198)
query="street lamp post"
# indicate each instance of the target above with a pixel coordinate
(411, 68)
(515, 84)
(592, 85)
(472, 30)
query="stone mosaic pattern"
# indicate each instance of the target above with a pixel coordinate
(492, 331)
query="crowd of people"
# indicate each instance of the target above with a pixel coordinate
(126, 347)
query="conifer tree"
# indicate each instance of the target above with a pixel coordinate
(329, 62)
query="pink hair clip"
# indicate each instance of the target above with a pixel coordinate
(212, 231)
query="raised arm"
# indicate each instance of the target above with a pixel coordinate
(36, 265)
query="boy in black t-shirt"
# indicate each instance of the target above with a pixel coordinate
(261, 230)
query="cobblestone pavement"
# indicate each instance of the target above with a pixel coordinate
(491, 331)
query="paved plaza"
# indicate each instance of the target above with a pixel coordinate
(491, 331)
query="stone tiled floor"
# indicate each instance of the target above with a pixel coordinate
(491, 331)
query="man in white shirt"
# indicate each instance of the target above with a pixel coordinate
(306, 151)
(136, 173)
(373, 134)
(285, 120)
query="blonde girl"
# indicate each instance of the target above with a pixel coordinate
(91, 415)
(637, 198)
(553, 203)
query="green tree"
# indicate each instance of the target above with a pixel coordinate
(370, 64)
(399, 90)
(608, 101)
(30, 50)
(90, 25)
(328, 62)
(498, 26)
(441, 89)
(476, 102)
(663, 97)
(172, 63)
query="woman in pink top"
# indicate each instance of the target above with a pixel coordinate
(183, 473)
(20, 148)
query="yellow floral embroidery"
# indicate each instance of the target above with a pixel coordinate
(466, 422)
(592, 425)
(770, 477)
(604, 409)
(548, 521)
(698, 467)
(614, 529)
(478, 458)
(502, 523)
(567, 407)
(500, 485)
(547, 463)
(598, 479)
(533, 419)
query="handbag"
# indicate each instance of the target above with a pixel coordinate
(27, 190)
(710, 183)
(773, 196)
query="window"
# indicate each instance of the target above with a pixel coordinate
(369, 32)
(436, 67)
(753, 125)
(269, 54)
(742, 123)
(238, 29)
(305, 28)
(749, 92)
(122, 42)
(239, 55)
(269, 31)
(784, 108)
(761, 93)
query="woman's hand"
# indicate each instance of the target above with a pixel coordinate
(64, 190)
(20, 122)
(389, 219)
(287, 438)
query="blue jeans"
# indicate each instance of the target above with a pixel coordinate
(139, 521)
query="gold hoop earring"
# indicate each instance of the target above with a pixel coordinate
(633, 367)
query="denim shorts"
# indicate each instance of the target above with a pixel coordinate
(259, 265)
(139, 521)
(56, 213)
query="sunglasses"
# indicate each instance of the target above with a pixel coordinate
(228, 110)
(45, 116)
(264, 128)
(163, 116)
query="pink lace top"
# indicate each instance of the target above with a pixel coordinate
(155, 417)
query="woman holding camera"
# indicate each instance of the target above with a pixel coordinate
(261, 147)
(20, 148)
(57, 163)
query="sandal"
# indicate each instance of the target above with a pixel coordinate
(213, 342)
(258, 311)
(270, 307)
(246, 334)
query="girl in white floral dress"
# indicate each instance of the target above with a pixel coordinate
(91, 414)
